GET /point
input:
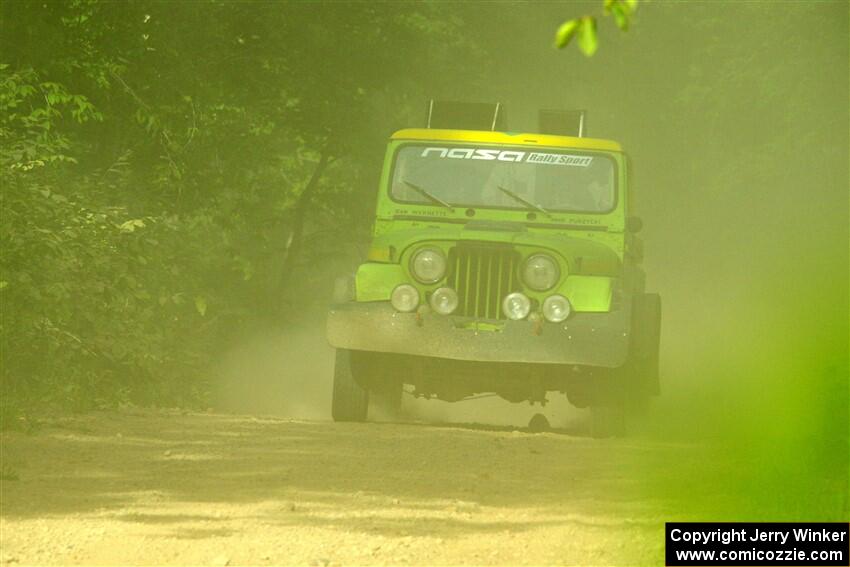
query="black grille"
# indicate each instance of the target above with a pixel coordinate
(482, 275)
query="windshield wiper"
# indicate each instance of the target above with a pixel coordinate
(517, 198)
(427, 195)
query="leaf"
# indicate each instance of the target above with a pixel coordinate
(566, 32)
(631, 5)
(131, 225)
(588, 41)
(201, 305)
(621, 16)
(3, 284)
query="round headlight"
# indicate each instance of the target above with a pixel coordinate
(556, 308)
(540, 272)
(444, 301)
(428, 265)
(405, 298)
(516, 306)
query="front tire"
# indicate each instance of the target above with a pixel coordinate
(350, 399)
(385, 400)
(626, 397)
(646, 343)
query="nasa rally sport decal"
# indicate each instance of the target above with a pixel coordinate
(508, 155)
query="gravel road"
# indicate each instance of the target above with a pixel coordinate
(148, 487)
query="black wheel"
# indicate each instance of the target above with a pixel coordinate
(624, 395)
(385, 400)
(350, 400)
(646, 343)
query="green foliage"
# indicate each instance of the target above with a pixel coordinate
(587, 38)
(621, 11)
(93, 310)
(585, 26)
(154, 159)
(566, 32)
(31, 111)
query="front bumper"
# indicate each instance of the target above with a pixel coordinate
(592, 339)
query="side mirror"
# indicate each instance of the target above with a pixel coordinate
(634, 224)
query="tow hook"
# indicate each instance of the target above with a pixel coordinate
(537, 323)
(423, 309)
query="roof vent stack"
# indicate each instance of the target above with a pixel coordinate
(453, 115)
(563, 122)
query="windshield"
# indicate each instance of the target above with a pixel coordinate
(515, 178)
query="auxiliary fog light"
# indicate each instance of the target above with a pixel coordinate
(444, 301)
(556, 308)
(405, 298)
(516, 306)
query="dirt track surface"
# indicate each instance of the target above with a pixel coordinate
(158, 487)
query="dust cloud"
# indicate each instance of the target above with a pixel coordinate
(289, 374)
(739, 142)
(279, 373)
(735, 117)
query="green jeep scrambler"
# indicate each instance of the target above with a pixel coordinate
(500, 262)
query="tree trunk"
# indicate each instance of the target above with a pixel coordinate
(293, 246)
